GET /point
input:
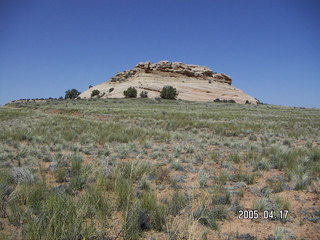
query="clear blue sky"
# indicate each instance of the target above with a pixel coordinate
(270, 48)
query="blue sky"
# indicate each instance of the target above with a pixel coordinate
(270, 48)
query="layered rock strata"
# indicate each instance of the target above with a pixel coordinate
(173, 69)
(193, 82)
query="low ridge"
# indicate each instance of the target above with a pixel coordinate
(193, 82)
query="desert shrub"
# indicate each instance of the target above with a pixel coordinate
(218, 212)
(235, 158)
(144, 214)
(76, 164)
(273, 204)
(243, 176)
(135, 170)
(154, 213)
(105, 178)
(168, 92)
(25, 200)
(214, 156)
(61, 174)
(302, 178)
(16, 213)
(224, 100)
(221, 197)
(132, 223)
(131, 92)
(263, 204)
(77, 182)
(280, 233)
(144, 94)
(281, 204)
(22, 175)
(203, 180)
(60, 218)
(262, 164)
(6, 180)
(222, 178)
(72, 94)
(95, 92)
(159, 217)
(144, 184)
(97, 205)
(176, 165)
(179, 202)
(2, 202)
(124, 191)
(189, 149)
(78, 178)
(300, 164)
(61, 170)
(276, 184)
(6, 177)
(161, 175)
(204, 216)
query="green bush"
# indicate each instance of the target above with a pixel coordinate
(168, 92)
(144, 94)
(131, 92)
(72, 94)
(95, 92)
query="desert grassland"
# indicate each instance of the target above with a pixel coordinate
(147, 169)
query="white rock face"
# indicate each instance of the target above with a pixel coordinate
(193, 82)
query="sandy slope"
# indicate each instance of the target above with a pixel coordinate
(189, 88)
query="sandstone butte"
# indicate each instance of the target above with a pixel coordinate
(193, 83)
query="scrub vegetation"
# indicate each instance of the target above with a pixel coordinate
(157, 169)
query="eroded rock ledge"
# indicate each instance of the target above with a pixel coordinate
(174, 69)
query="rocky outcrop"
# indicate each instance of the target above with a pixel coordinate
(174, 69)
(193, 83)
